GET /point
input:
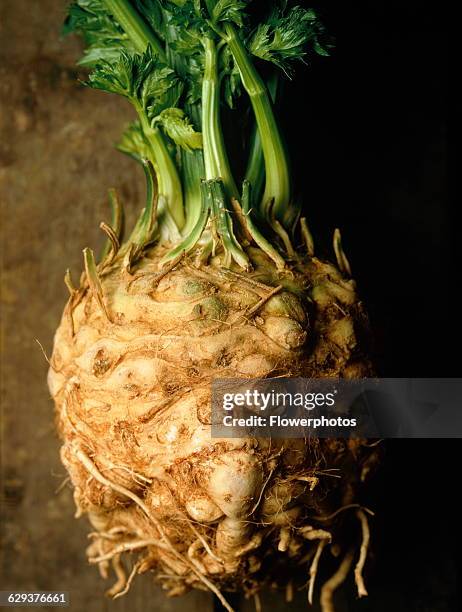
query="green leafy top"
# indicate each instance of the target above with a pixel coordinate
(285, 37)
(104, 37)
(177, 61)
(144, 80)
(228, 10)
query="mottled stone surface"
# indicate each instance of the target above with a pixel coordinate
(56, 163)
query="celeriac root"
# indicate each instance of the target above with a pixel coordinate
(362, 592)
(314, 569)
(120, 575)
(91, 467)
(88, 463)
(126, 588)
(284, 539)
(134, 411)
(257, 601)
(331, 585)
(342, 509)
(128, 546)
(289, 592)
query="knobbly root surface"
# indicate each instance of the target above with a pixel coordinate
(133, 361)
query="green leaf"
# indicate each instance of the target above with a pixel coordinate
(117, 77)
(152, 11)
(160, 89)
(178, 127)
(141, 78)
(284, 38)
(95, 55)
(184, 29)
(184, 33)
(228, 10)
(320, 49)
(104, 38)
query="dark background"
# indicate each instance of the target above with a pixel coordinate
(370, 143)
(367, 128)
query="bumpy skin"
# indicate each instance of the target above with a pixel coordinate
(132, 397)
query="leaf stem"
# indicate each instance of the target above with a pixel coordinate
(195, 234)
(192, 172)
(167, 174)
(134, 26)
(144, 228)
(255, 171)
(215, 156)
(277, 183)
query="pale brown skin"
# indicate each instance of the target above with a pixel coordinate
(131, 380)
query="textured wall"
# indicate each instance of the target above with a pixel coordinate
(56, 163)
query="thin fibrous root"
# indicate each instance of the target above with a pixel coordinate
(168, 268)
(359, 580)
(203, 541)
(332, 584)
(103, 567)
(44, 353)
(314, 570)
(313, 481)
(303, 561)
(257, 503)
(247, 279)
(289, 591)
(342, 509)
(257, 601)
(103, 535)
(118, 530)
(315, 534)
(263, 301)
(121, 577)
(284, 539)
(127, 586)
(91, 467)
(139, 478)
(192, 554)
(62, 485)
(96, 547)
(93, 470)
(214, 590)
(254, 543)
(113, 533)
(128, 546)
